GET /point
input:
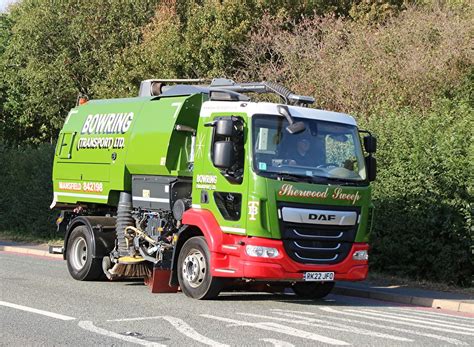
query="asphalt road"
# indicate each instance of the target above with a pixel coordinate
(40, 304)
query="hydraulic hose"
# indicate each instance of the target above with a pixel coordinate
(279, 89)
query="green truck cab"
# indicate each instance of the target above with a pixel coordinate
(201, 187)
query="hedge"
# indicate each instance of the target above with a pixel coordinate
(423, 193)
(25, 176)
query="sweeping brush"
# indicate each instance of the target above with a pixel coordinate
(131, 267)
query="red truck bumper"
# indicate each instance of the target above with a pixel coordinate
(233, 261)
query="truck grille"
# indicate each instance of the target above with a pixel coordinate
(317, 243)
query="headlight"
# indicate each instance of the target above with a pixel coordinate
(263, 252)
(360, 255)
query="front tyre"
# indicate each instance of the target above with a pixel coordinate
(312, 290)
(80, 263)
(194, 272)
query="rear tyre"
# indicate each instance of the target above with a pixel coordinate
(80, 262)
(312, 290)
(194, 272)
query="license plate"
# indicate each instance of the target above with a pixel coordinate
(319, 276)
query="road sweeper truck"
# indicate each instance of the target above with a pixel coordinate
(195, 184)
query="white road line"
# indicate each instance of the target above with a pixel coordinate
(187, 330)
(440, 320)
(365, 316)
(414, 320)
(433, 314)
(291, 311)
(278, 343)
(279, 328)
(387, 327)
(34, 310)
(133, 319)
(88, 325)
(180, 325)
(324, 325)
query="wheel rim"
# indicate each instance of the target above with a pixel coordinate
(194, 268)
(79, 253)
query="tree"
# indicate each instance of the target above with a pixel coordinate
(5, 35)
(60, 49)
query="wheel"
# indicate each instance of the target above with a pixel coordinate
(312, 290)
(80, 263)
(194, 274)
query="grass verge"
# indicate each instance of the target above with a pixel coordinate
(15, 236)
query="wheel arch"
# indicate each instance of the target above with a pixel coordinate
(184, 234)
(205, 221)
(101, 229)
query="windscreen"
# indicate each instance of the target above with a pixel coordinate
(325, 151)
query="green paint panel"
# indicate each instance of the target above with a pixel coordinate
(104, 142)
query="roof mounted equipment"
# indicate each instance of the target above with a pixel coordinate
(219, 87)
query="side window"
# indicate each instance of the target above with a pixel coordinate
(227, 149)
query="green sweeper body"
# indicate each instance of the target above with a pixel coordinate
(198, 186)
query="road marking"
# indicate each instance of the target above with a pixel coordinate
(88, 325)
(365, 316)
(344, 327)
(180, 325)
(375, 325)
(323, 324)
(414, 320)
(187, 330)
(403, 330)
(279, 328)
(133, 319)
(445, 323)
(34, 310)
(430, 313)
(278, 343)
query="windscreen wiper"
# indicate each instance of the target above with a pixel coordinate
(293, 177)
(339, 181)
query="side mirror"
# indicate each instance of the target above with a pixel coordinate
(224, 155)
(371, 168)
(296, 128)
(370, 144)
(225, 127)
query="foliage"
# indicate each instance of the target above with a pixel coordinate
(375, 11)
(26, 189)
(104, 49)
(5, 35)
(351, 67)
(424, 192)
(57, 50)
(198, 39)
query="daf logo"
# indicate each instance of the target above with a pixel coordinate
(327, 217)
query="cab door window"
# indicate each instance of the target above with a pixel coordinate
(227, 149)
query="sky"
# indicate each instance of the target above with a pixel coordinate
(4, 4)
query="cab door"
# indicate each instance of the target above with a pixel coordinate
(219, 171)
